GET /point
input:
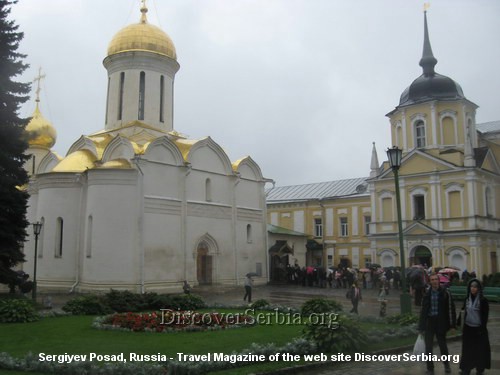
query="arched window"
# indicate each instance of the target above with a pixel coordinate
(88, 245)
(59, 237)
(120, 95)
(249, 233)
(40, 239)
(420, 134)
(448, 127)
(387, 209)
(142, 91)
(488, 201)
(208, 190)
(107, 102)
(162, 99)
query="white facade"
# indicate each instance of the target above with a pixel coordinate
(137, 206)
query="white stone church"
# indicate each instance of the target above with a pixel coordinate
(137, 205)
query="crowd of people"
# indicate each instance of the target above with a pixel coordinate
(437, 312)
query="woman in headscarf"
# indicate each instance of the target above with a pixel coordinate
(476, 352)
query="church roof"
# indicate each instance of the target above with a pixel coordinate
(430, 85)
(320, 190)
(280, 230)
(142, 36)
(488, 127)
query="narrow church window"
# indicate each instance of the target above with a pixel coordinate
(120, 95)
(387, 209)
(59, 237)
(40, 240)
(455, 206)
(344, 227)
(489, 202)
(249, 233)
(318, 228)
(88, 248)
(142, 90)
(419, 207)
(208, 190)
(162, 93)
(368, 220)
(420, 134)
(107, 102)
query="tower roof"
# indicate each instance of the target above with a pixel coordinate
(430, 85)
(39, 131)
(142, 36)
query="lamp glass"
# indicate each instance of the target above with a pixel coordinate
(394, 155)
(37, 228)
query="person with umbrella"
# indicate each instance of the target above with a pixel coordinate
(248, 287)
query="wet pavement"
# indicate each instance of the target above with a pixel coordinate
(295, 296)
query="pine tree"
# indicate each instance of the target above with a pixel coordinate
(13, 196)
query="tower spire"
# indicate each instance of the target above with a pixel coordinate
(428, 61)
(374, 165)
(144, 10)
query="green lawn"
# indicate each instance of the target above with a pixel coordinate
(74, 335)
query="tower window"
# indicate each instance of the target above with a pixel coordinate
(120, 95)
(142, 90)
(420, 134)
(162, 94)
(249, 233)
(419, 207)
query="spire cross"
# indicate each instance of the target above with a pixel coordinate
(144, 10)
(426, 6)
(37, 80)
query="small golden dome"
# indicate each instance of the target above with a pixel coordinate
(39, 131)
(142, 37)
(77, 161)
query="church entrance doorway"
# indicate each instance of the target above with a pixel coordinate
(422, 255)
(203, 265)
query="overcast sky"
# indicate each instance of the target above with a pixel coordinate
(302, 86)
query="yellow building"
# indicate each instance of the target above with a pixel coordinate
(449, 185)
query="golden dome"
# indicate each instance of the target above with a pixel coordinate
(39, 131)
(78, 161)
(142, 37)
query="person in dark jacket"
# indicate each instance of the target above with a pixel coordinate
(476, 350)
(355, 296)
(437, 317)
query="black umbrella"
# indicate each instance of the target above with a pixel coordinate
(250, 274)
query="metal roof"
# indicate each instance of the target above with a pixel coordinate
(486, 127)
(280, 230)
(329, 189)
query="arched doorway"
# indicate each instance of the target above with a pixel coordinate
(421, 255)
(203, 264)
(280, 267)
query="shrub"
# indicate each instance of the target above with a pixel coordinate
(347, 337)
(259, 304)
(17, 311)
(403, 319)
(87, 305)
(186, 302)
(123, 301)
(320, 305)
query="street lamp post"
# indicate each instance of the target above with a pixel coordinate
(394, 155)
(37, 228)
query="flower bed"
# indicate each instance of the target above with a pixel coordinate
(173, 321)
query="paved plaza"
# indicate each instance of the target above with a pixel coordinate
(291, 295)
(295, 296)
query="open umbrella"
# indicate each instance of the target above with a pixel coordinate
(447, 270)
(443, 279)
(250, 274)
(364, 270)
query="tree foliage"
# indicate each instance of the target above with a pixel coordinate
(13, 197)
